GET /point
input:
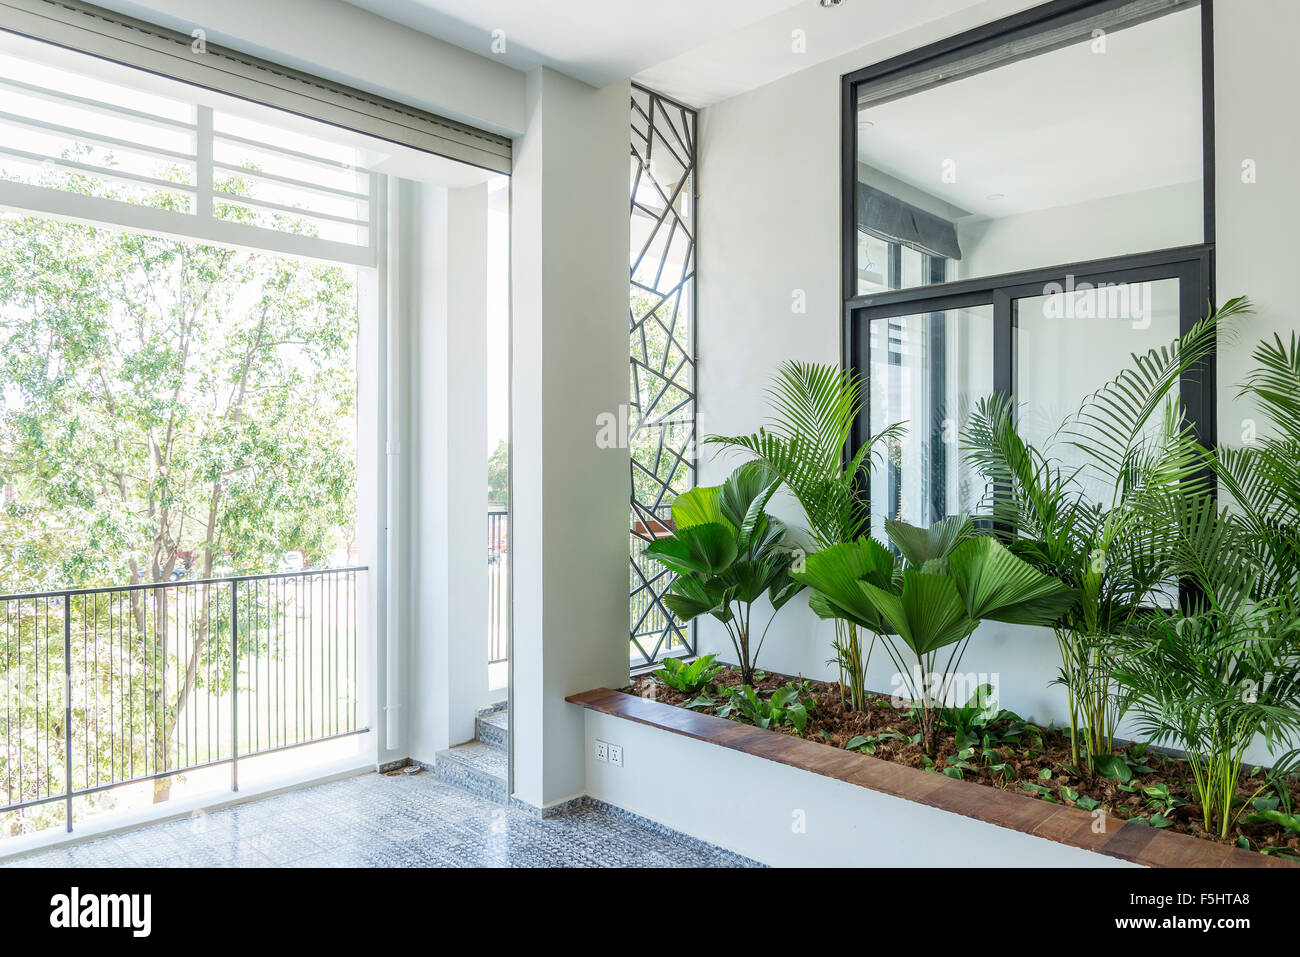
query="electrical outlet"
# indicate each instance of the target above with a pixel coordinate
(616, 755)
(602, 751)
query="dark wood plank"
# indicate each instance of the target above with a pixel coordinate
(1129, 841)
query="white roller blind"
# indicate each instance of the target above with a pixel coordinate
(1072, 29)
(92, 30)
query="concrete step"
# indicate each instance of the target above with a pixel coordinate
(477, 767)
(493, 729)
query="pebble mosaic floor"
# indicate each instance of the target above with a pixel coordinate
(379, 820)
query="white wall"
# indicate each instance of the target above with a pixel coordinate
(770, 225)
(1159, 218)
(569, 365)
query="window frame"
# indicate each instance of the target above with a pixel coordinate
(1192, 265)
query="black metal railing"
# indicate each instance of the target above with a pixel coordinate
(110, 686)
(498, 585)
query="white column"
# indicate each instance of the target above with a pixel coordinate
(570, 364)
(445, 295)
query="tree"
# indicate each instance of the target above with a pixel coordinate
(499, 475)
(168, 407)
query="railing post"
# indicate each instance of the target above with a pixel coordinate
(234, 686)
(67, 700)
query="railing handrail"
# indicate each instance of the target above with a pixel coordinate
(178, 583)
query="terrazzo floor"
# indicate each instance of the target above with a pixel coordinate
(379, 820)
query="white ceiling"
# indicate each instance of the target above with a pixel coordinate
(754, 54)
(1064, 127)
(597, 41)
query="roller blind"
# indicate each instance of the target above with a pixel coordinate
(1071, 28)
(895, 221)
(92, 30)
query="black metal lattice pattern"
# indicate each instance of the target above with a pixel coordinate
(661, 423)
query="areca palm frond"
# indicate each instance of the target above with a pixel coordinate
(814, 408)
(1263, 477)
(1111, 428)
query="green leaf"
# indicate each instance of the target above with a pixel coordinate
(835, 574)
(700, 506)
(997, 585)
(1112, 766)
(707, 548)
(929, 613)
(920, 545)
(1289, 821)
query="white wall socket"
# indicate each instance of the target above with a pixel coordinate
(616, 755)
(602, 751)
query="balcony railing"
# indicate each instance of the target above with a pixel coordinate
(498, 585)
(110, 686)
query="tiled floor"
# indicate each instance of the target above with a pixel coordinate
(391, 821)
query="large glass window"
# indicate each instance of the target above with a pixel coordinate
(1027, 207)
(193, 293)
(1081, 141)
(926, 371)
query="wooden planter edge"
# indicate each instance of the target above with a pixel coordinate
(1138, 843)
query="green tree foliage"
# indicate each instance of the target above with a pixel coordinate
(167, 409)
(499, 475)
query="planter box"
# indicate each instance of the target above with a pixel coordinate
(786, 801)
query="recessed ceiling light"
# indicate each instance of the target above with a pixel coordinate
(997, 196)
(831, 3)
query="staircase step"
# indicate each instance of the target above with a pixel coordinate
(477, 767)
(493, 728)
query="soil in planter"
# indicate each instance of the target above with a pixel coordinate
(1037, 761)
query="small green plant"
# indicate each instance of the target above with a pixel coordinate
(866, 743)
(688, 678)
(787, 706)
(1214, 683)
(970, 721)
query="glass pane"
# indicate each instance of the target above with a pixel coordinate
(1070, 343)
(1089, 150)
(927, 371)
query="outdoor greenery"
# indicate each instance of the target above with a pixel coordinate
(170, 411)
(1167, 604)
(499, 475)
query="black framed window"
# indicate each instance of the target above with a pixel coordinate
(1051, 269)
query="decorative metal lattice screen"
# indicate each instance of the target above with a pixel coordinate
(661, 424)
